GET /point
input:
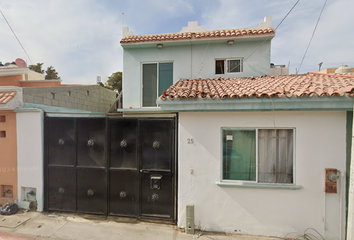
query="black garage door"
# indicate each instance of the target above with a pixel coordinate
(111, 166)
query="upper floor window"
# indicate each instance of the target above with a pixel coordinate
(223, 66)
(258, 155)
(157, 77)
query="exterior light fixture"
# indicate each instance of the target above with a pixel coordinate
(230, 42)
(159, 46)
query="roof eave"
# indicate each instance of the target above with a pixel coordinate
(13, 71)
(283, 103)
(200, 40)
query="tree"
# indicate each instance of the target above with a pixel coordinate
(115, 81)
(51, 73)
(37, 68)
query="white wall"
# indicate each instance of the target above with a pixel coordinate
(30, 155)
(191, 61)
(320, 143)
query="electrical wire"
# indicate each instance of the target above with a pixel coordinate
(268, 36)
(313, 33)
(201, 65)
(16, 36)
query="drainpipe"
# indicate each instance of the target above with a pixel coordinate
(350, 222)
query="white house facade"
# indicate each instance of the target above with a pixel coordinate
(256, 154)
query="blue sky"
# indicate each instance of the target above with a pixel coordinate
(81, 38)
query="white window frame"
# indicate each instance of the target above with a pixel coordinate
(157, 85)
(226, 65)
(257, 162)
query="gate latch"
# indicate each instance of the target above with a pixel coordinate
(155, 181)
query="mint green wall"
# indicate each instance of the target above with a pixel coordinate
(196, 60)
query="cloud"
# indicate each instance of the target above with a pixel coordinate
(81, 38)
(78, 39)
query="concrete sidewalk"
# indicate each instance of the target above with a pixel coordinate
(41, 226)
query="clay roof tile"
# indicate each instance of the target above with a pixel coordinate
(304, 85)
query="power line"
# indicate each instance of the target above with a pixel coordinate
(313, 33)
(16, 36)
(269, 36)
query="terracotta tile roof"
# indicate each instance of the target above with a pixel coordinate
(304, 85)
(232, 33)
(5, 97)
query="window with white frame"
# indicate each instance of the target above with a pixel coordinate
(258, 155)
(157, 77)
(223, 66)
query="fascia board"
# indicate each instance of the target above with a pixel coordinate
(258, 104)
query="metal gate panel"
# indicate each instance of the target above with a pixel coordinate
(91, 142)
(157, 144)
(123, 192)
(124, 141)
(133, 177)
(91, 190)
(62, 188)
(123, 167)
(157, 157)
(156, 200)
(61, 141)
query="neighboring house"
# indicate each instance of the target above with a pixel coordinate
(10, 99)
(256, 154)
(14, 75)
(23, 106)
(344, 70)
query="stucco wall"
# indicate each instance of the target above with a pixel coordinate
(8, 156)
(191, 61)
(320, 142)
(30, 155)
(91, 98)
(11, 80)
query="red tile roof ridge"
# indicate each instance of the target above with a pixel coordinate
(223, 33)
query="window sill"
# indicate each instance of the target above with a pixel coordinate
(259, 185)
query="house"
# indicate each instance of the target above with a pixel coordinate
(10, 98)
(18, 74)
(24, 104)
(255, 154)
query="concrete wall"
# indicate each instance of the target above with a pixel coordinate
(320, 143)
(30, 156)
(191, 61)
(91, 98)
(8, 157)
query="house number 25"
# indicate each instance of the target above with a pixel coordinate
(190, 140)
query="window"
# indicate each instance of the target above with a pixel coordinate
(258, 155)
(2, 134)
(157, 77)
(2, 118)
(231, 66)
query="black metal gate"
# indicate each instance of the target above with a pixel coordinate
(111, 166)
